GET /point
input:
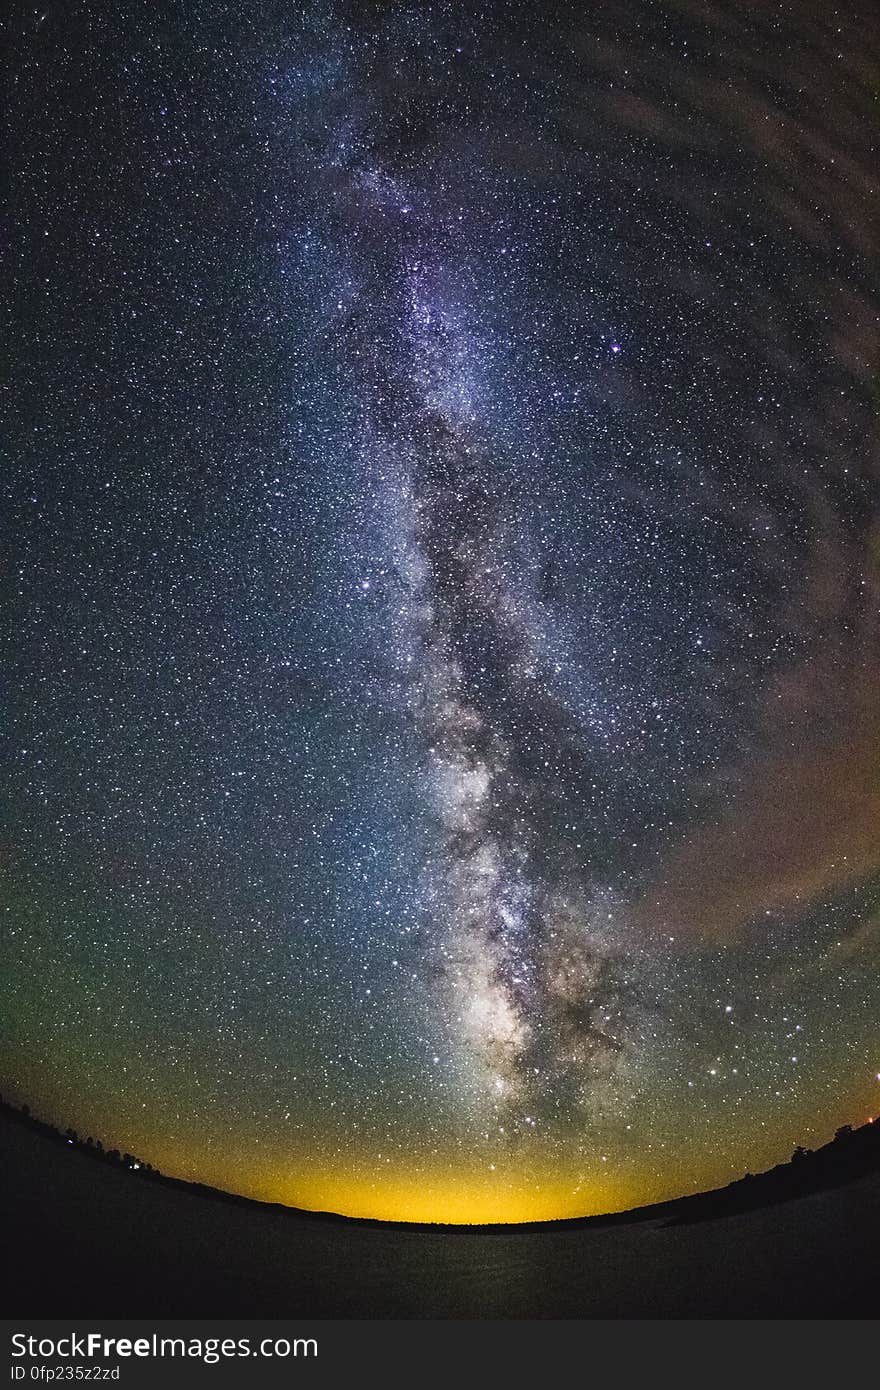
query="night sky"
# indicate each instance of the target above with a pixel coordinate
(441, 598)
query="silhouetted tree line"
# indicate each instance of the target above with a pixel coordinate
(93, 1147)
(851, 1154)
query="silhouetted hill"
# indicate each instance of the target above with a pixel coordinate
(851, 1154)
(102, 1235)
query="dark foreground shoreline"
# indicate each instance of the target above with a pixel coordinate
(93, 1239)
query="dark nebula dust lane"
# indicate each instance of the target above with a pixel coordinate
(443, 756)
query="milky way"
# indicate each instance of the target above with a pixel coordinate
(444, 758)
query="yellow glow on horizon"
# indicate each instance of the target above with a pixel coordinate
(441, 1197)
(454, 1189)
(445, 1199)
(444, 1196)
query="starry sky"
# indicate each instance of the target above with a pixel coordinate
(441, 536)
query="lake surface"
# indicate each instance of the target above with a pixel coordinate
(93, 1240)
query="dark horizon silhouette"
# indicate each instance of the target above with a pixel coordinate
(853, 1152)
(96, 1236)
